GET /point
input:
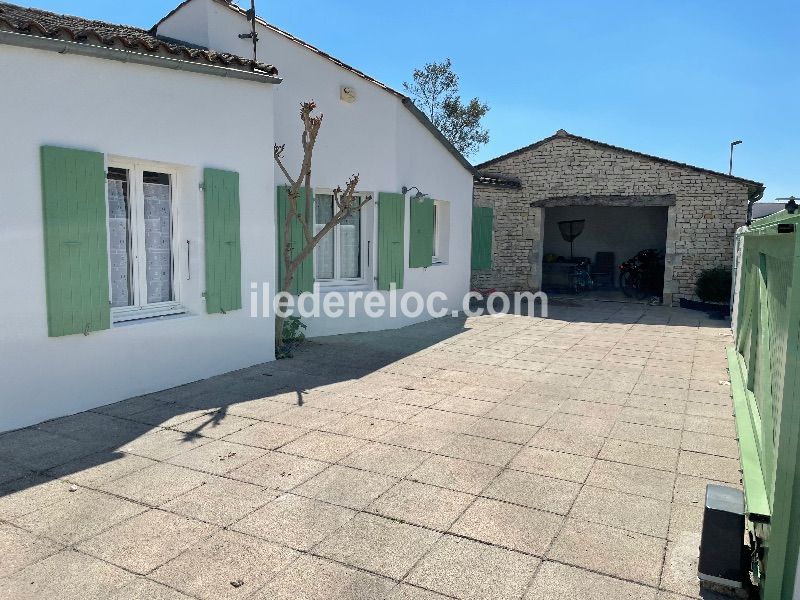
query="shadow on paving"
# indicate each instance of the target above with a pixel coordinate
(60, 447)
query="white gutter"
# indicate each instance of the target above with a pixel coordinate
(68, 47)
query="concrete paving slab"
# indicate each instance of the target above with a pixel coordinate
(709, 467)
(312, 578)
(710, 444)
(534, 491)
(156, 484)
(555, 581)
(378, 545)
(422, 504)
(503, 431)
(145, 589)
(67, 575)
(266, 435)
(220, 501)
(646, 434)
(218, 457)
(385, 459)
(471, 570)
(508, 525)
(611, 551)
(455, 474)
(227, 565)
(323, 446)
(559, 465)
(146, 541)
(28, 494)
(346, 487)
(19, 548)
(80, 515)
(294, 521)
(478, 449)
(642, 455)
(567, 441)
(162, 444)
(625, 511)
(641, 481)
(278, 471)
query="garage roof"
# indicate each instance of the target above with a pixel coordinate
(561, 133)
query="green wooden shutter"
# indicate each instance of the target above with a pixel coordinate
(482, 228)
(391, 221)
(75, 241)
(223, 248)
(420, 244)
(304, 276)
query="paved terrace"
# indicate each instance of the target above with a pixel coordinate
(490, 458)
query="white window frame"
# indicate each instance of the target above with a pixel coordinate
(339, 282)
(140, 308)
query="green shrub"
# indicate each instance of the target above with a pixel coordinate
(292, 336)
(714, 285)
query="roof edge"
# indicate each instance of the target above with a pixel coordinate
(69, 47)
(426, 122)
(561, 133)
(405, 100)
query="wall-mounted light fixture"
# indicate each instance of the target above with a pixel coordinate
(419, 196)
(347, 94)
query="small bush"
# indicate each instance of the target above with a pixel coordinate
(293, 336)
(714, 285)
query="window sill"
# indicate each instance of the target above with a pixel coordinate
(136, 317)
(342, 286)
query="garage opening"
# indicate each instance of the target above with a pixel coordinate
(584, 246)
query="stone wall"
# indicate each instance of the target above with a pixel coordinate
(708, 208)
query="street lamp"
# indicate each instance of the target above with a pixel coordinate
(730, 168)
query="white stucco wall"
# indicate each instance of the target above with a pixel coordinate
(154, 114)
(376, 136)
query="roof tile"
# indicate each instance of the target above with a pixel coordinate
(37, 22)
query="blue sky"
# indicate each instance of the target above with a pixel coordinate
(678, 79)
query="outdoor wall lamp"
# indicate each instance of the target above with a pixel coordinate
(419, 196)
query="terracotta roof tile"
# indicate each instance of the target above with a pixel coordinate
(37, 22)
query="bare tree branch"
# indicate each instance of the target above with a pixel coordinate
(346, 202)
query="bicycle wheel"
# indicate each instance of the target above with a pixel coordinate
(627, 283)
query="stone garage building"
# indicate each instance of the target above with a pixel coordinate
(628, 200)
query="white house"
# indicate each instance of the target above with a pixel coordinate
(139, 200)
(370, 129)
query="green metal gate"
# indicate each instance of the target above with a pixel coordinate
(765, 384)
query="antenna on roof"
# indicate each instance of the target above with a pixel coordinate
(253, 35)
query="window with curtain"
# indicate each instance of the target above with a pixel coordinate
(141, 232)
(338, 254)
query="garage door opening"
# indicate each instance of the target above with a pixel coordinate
(603, 237)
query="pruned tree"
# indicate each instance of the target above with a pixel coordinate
(345, 203)
(435, 92)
